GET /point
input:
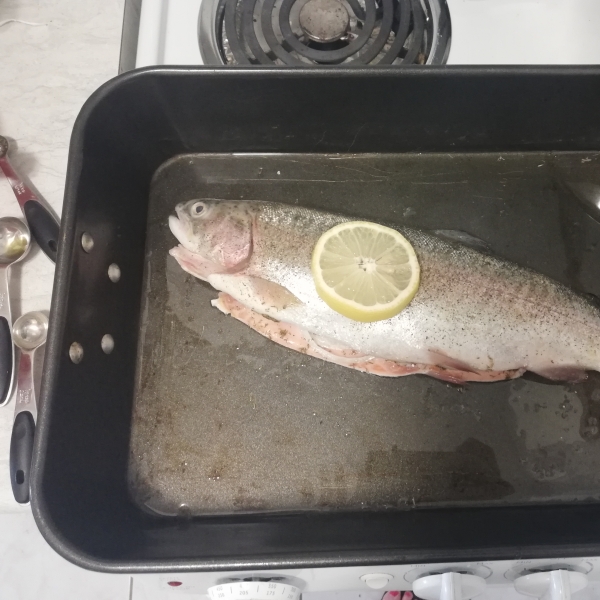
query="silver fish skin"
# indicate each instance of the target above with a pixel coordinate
(475, 317)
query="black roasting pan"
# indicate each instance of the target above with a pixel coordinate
(543, 123)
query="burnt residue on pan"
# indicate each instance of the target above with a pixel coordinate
(226, 421)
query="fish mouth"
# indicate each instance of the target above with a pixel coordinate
(180, 229)
(186, 252)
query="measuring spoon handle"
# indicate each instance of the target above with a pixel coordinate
(7, 348)
(21, 453)
(6, 361)
(41, 221)
(23, 432)
(44, 227)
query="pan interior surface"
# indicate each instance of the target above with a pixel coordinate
(226, 421)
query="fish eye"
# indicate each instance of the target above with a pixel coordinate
(198, 208)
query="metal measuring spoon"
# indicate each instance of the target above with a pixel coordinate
(43, 224)
(15, 240)
(29, 333)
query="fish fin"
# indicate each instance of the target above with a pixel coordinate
(300, 340)
(571, 374)
(462, 237)
(261, 295)
(334, 347)
(290, 336)
(441, 359)
(390, 368)
(192, 263)
(387, 368)
(459, 377)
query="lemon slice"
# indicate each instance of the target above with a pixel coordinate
(364, 271)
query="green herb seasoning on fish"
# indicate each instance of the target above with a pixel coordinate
(475, 317)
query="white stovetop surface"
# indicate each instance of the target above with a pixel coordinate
(483, 32)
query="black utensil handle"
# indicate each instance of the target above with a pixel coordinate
(21, 453)
(6, 359)
(44, 227)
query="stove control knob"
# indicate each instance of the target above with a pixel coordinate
(377, 581)
(448, 586)
(551, 585)
(253, 590)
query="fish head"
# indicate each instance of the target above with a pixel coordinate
(214, 236)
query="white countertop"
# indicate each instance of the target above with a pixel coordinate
(50, 65)
(54, 55)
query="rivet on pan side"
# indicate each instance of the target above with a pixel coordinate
(107, 343)
(87, 242)
(114, 272)
(76, 352)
